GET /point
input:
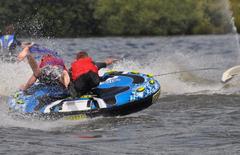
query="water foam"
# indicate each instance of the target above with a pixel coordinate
(9, 120)
(12, 76)
(184, 83)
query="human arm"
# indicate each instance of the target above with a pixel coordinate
(109, 61)
(100, 65)
(104, 64)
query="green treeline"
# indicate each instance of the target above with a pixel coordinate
(75, 18)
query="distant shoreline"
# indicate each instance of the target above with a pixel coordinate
(166, 36)
(100, 18)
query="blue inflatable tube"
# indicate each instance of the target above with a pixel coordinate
(120, 93)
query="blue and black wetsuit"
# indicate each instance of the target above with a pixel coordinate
(8, 44)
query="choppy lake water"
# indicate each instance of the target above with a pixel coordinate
(196, 113)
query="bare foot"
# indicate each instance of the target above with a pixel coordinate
(25, 51)
(25, 44)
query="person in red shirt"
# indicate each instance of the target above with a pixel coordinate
(50, 71)
(84, 74)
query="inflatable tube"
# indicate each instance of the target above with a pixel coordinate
(120, 93)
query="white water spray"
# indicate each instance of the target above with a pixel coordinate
(234, 28)
(234, 31)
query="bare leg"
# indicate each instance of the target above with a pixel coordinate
(23, 53)
(65, 79)
(33, 64)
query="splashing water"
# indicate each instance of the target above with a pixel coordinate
(12, 76)
(233, 27)
(31, 26)
(148, 55)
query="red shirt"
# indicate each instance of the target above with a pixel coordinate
(82, 66)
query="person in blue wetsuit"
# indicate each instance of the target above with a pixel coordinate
(8, 40)
(8, 43)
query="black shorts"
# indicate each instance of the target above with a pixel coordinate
(84, 83)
